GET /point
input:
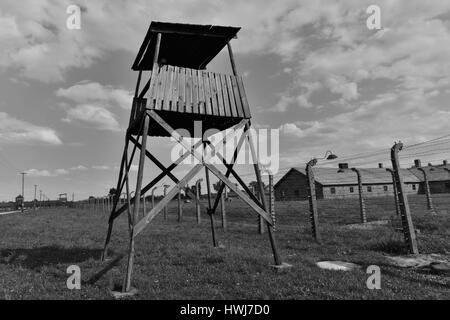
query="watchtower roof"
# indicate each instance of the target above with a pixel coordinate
(199, 44)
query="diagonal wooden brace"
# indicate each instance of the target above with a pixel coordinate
(170, 195)
(156, 180)
(237, 177)
(228, 166)
(240, 193)
(211, 167)
(169, 174)
(180, 139)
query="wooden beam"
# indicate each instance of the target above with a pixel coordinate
(180, 139)
(157, 47)
(167, 171)
(200, 34)
(210, 214)
(239, 180)
(229, 166)
(97, 276)
(170, 195)
(116, 198)
(241, 194)
(142, 49)
(158, 178)
(137, 200)
(155, 64)
(212, 168)
(138, 82)
(233, 63)
(262, 194)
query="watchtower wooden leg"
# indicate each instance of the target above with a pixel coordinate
(137, 197)
(273, 243)
(116, 198)
(251, 202)
(124, 167)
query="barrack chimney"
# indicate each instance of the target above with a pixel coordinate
(343, 165)
(417, 163)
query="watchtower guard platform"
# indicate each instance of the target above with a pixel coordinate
(178, 92)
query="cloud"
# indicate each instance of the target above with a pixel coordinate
(348, 90)
(13, 130)
(39, 173)
(95, 116)
(79, 168)
(341, 54)
(299, 130)
(93, 92)
(61, 172)
(36, 42)
(300, 100)
(47, 173)
(102, 167)
(92, 103)
(290, 129)
(373, 125)
(284, 103)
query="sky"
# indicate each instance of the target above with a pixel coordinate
(312, 69)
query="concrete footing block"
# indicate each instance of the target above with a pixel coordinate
(122, 295)
(282, 267)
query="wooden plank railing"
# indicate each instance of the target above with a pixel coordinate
(197, 91)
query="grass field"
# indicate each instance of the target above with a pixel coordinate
(176, 260)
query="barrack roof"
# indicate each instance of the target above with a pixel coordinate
(183, 45)
(335, 177)
(434, 173)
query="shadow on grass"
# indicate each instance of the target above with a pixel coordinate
(416, 275)
(36, 258)
(390, 246)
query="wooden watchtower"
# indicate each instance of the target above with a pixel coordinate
(179, 91)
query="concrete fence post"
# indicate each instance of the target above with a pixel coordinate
(165, 207)
(272, 201)
(407, 223)
(394, 184)
(427, 191)
(144, 207)
(153, 196)
(223, 211)
(362, 204)
(180, 208)
(260, 219)
(197, 202)
(314, 215)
